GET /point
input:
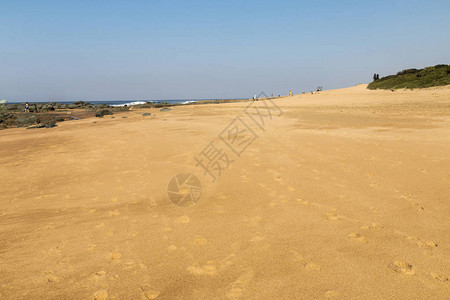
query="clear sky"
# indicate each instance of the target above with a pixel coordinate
(114, 50)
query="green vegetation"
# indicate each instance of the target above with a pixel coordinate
(413, 78)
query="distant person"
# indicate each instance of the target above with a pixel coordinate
(303, 92)
(272, 94)
(312, 92)
(27, 107)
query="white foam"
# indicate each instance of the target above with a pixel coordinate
(131, 103)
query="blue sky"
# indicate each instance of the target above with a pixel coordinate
(114, 50)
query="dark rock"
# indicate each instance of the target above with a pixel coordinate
(146, 114)
(103, 106)
(48, 120)
(124, 117)
(5, 116)
(62, 106)
(25, 120)
(165, 109)
(47, 107)
(36, 126)
(102, 113)
(15, 107)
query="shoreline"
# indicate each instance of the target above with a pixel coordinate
(59, 112)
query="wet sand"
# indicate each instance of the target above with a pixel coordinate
(340, 194)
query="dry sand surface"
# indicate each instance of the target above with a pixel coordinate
(344, 195)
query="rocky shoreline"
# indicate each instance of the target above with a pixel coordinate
(47, 115)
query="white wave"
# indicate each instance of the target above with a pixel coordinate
(131, 103)
(188, 101)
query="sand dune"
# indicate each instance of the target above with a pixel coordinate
(342, 194)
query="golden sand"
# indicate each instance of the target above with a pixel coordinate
(345, 195)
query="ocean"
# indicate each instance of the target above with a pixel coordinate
(125, 102)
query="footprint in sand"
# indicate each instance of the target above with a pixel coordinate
(357, 237)
(182, 220)
(208, 269)
(148, 292)
(402, 268)
(116, 255)
(53, 278)
(307, 265)
(227, 261)
(254, 221)
(331, 294)
(282, 198)
(172, 248)
(439, 277)
(238, 287)
(373, 225)
(100, 295)
(257, 238)
(100, 273)
(301, 201)
(114, 213)
(334, 217)
(200, 241)
(427, 244)
(244, 178)
(418, 206)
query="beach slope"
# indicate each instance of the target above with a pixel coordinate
(344, 194)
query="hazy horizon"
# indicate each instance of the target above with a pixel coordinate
(68, 51)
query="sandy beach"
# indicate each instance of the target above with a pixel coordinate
(341, 194)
